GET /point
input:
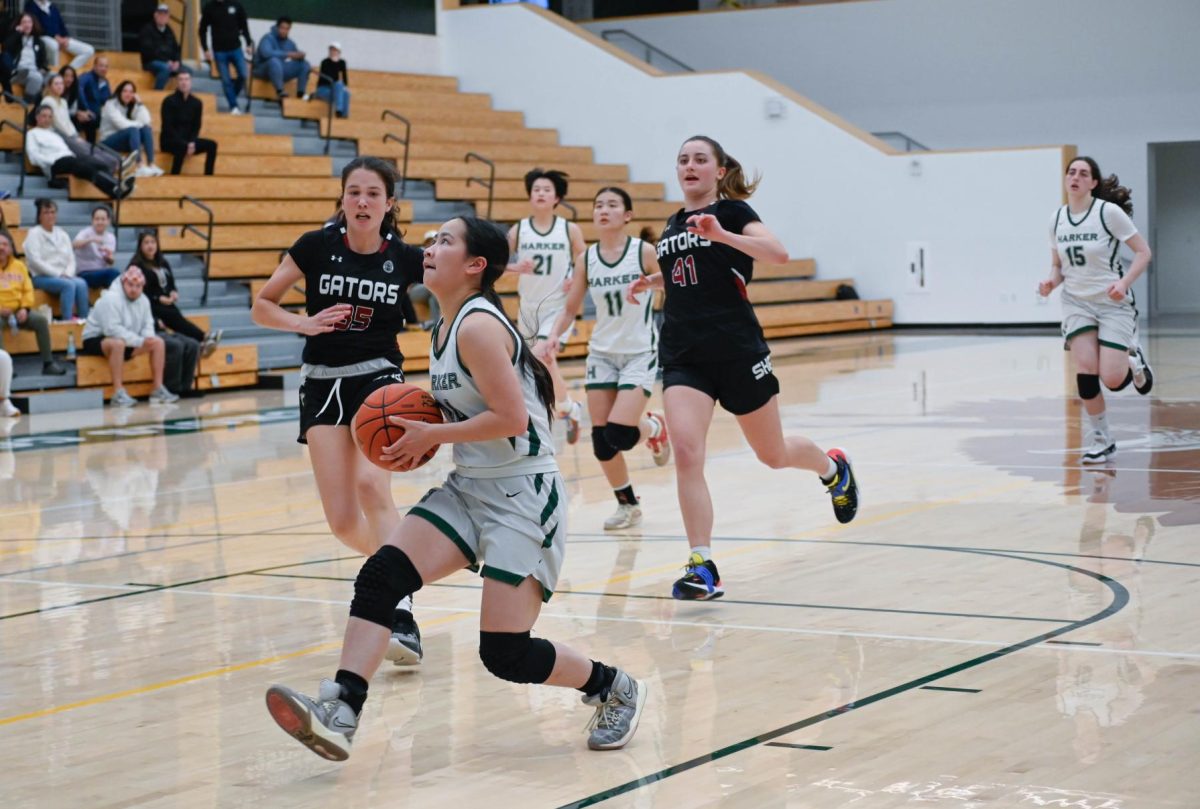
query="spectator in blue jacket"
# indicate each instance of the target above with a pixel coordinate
(55, 34)
(94, 91)
(279, 60)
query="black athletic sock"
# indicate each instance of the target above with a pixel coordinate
(600, 681)
(625, 496)
(354, 689)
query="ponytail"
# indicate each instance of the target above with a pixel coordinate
(1109, 188)
(489, 241)
(734, 184)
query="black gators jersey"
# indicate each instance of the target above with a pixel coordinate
(372, 283)
(707, 315)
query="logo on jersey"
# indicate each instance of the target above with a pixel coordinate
(362, 288)
(448, 381)
(680, 242)
(388, 266)
(761, 369)
(337, 259)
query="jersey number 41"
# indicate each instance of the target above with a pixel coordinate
(677, 272)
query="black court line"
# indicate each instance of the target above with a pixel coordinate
(800, 746)
(1119, 601)
(648, 597)
(1075, 643)
(948, 688)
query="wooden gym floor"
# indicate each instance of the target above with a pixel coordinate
(999, 627)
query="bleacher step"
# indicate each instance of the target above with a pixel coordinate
(60, 401)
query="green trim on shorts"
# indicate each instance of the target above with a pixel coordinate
(1117, 346)
(551, 503)
(549, 540)
(600, 386)
(1080, 331)
(447, 529)
(537, 482)
(514, 579)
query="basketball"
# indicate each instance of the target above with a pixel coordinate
(373, 432)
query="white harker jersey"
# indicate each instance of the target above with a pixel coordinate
(456, 393)
(621, 327)
(1088, 247)
(551, 256)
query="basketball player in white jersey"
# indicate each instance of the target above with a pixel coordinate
(1099, 317)
(622, 361)
(502, 510)
(542, 247)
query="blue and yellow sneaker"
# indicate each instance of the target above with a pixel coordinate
(843, 488)
(700, 582)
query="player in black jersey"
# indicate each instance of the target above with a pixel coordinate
(712, 349)
(355, 271)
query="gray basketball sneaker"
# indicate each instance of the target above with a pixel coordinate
(617, 713)
(325, 725)
(1100, 448)
(626, 516)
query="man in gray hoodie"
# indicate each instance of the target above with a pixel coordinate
(279, 60)
(120, 327)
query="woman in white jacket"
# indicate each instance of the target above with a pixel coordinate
(125, 126)
(51, 260)
(65, 126)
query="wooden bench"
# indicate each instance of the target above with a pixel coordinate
(42, 297)
(11, 210)
(234, 237)
(229, 366)
(410, 97)
(369, 134)
(511, 210)
(579, 192)
(219, 187)
(414, 345)
(796, 268)
(484, 117)
(590, 232)
(245, 263)
(164, 212)
(25, 341)
(379, 80)
(457, 169)
(534, 155)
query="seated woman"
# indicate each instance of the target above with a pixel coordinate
(125, 126)
(163, 295)
(95, 247)
(51, 260)
(81, 116)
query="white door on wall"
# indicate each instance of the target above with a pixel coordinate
(1175, 229)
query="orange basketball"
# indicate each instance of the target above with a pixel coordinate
(373, 432)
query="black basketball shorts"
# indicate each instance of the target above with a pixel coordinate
(741, 385)
(333, 402)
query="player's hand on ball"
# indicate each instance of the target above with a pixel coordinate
(326, 320)
(1117, 291)
(706, 226)
(419, 438)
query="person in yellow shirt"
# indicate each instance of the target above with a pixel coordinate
(16, 303)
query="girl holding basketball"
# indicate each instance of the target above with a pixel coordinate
(1099, 317)
(503, 509)
(545, 244)
(712, 348)
(355, 271)
(622, 360)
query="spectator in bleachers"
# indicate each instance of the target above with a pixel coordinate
(125, 126)
(64, 126)
(55, 35)
(24, 59)
(81, 116)
(95, 249)
(121, 327)
(160, 48)
(332, 80)
(164, 295)
(7, 409)
(182, 117)
(419, 292)
(227, 19)
(279, 60)
(47, 150)
(16, 301)
(51, 259)
(94, 89)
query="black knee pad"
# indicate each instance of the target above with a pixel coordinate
(603, 450)
(622, 436)
(1089, 386)
(1125, 383)
(516, 657)
(382, 581)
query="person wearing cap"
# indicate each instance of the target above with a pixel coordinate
(332, 80)
(160, 48)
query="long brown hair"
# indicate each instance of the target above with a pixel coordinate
(1109, 188)
(386, 172)
(734, 184)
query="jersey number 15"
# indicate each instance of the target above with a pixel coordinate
(1075, 256)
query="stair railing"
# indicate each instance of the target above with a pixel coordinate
(403, 141)
(206, 236)
(23, 129)
(489, 183)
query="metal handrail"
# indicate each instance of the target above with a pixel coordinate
(489, 183)
(402, 141)
(571, 208)
(23, 129)
(329, 115)
(607, 37)
(910, 145)
(206, 236)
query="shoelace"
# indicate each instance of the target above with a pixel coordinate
(606, 715)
